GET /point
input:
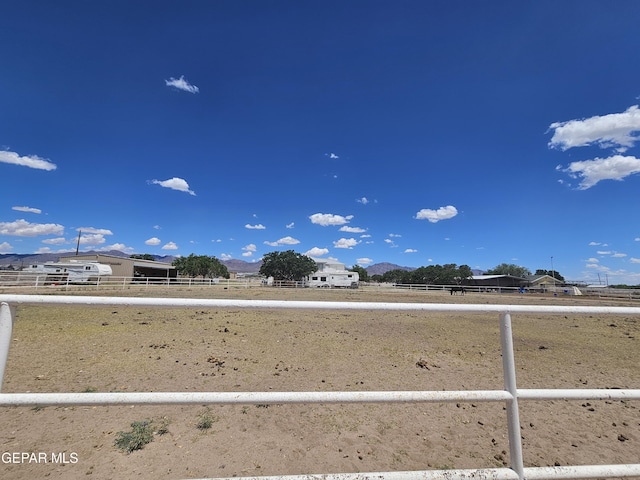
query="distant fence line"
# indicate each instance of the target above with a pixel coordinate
(38, 281)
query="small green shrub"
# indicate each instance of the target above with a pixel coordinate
(206, 421)
(141, 433)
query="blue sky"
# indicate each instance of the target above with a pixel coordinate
(411, 132)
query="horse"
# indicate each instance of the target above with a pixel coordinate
(456, 290)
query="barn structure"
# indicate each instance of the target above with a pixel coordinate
(129, 267)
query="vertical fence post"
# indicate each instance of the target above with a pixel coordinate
(6, 327)
(513, 415)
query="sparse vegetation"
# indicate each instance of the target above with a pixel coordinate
(140, 434)
(206, 421)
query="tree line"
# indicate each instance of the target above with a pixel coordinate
(293, 266)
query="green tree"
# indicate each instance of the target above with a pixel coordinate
(143, 256)
(396, 275)
(287, 265)
(362, 273)
(551, 273)
(509, 269)
(200, 266)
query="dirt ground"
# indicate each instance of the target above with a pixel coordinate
(128, 348)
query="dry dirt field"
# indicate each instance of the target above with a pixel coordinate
(127, 349)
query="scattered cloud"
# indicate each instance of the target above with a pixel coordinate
(170, 246)
(390, 242)
(283, 241)
(332, 156)
(634, 260)
(55, 241)
(351, 229)
(410, 250)
(92, 239)
(619, 255)
(175, 183)
(5, 247)
(259, 226)
(22, 228)
(249, 250)
(317, 252)
(363, 200)
(434, 216)
(181, 84)
(291, 225)
(157, 227)
(121, 247)
(603, 252)
(326, 219)
(395, 235)
(27, 209)
(100, 231)
(225, 256)
(619, 130)
(590, 172)
(364, 261)
(31, 161)
(346, 243)
(152, 242)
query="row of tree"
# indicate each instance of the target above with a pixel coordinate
(289, 265)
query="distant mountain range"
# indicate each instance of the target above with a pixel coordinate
(239, 266)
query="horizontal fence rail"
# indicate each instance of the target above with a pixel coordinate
(510, 395)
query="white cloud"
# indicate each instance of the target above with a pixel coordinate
(603, 252)
(364, 261)
(634, 260)
(259, 226)
(290, 225)
(116, 246)
(100, 231)
(613, 130)
(250, 247)
(352, 229)
(395, 235)
(92, 239)
(410, 250)
(5, 247)
(170, 246)
(22, 228)
(316, 252)
(153, 241)
(443, 213)
(31, 161)
(283, 241)
(590, 172)
(326, 219)
(225, 256)
(346, 243)
(363, 200)
(181, 84)
(332, 155)
(27, 209)
(175, 183)
(55, 241)
(157, 227)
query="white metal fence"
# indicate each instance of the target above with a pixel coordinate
(511, 394)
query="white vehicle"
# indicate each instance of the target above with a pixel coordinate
(335, 279)
(71, 271)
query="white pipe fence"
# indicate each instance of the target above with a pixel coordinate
(510, 395)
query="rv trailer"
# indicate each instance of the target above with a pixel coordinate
(71, 271)
(334, 279)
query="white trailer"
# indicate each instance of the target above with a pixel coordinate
(72, 271)
(334, 279)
